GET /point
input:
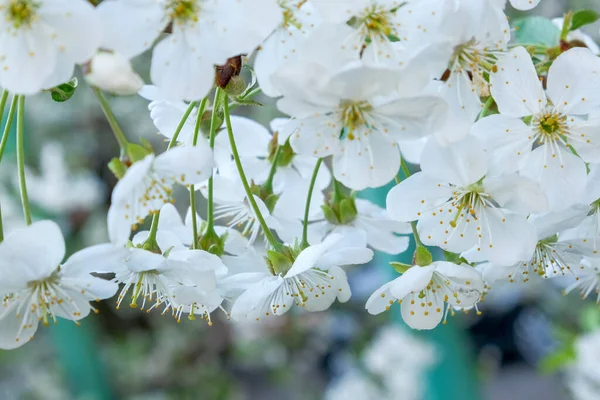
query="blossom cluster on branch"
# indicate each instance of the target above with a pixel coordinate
(506, 134)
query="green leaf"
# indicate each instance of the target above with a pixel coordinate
(536, 31)
(400, 267)
(582, 18)
(65, 91)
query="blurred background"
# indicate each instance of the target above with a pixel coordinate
(515, 350)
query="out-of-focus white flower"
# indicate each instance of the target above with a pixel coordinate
(59, 191)
(36, 287)
(204, 33)
(113, 73)
(42, 40)
(299, 18)
(583, 376)
(354, 386)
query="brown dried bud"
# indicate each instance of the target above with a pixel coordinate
(225, 72)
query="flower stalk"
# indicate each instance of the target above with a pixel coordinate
(21, 159)
(311, 188)
(236, 156)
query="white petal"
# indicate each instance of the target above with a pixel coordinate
(559, 173)
(418, 317)
(574, 81)
(10, 325)
(186, 164)
(517, 194)
(415, 196)
(130, 26)
(35, 251)
(516, 87)
(506, 140)
(182, 72)
(460, 163)
(100, 258)
(412, 281)
(367, 161)
(524, 4)
(380, 299)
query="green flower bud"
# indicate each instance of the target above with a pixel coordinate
(213, 243)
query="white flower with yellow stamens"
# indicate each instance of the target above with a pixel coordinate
(459, 208)
(423, 292)
(204, 33)
(342, 113)
(35, 286)
(42, 40)
(169, 276)
(311, 279)
(148, 185)
(545, 135)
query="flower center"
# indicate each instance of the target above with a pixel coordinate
(183, 11)
(468, 199)
(45, 296)
(354, 115)
(289, 9)
(550, 126)
(22, 12)
(375, 22)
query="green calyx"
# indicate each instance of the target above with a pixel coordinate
(211, 242)
(280, 262)
(422, 257)
(286, 153)
(266, 195)
(340, 209)
(133, 153)
(22, 12)
(236, 86)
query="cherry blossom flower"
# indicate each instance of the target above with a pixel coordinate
(424, 291)
(541, 149)
(42, 40)
(313, 280)
(204, 33)
(459, 208)
(344, 114)
(37, 287)
(148, 185)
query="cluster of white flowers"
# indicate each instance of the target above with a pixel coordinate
(507, 138)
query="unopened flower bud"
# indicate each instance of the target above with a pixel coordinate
(112, 72)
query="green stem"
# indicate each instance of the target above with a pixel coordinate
(210, 213)
(8, 126)
(192, 188)
(268, 185)
(112, 120)
(413, 224)
(21, 159)
(268, 234)
(187, 113)
(405, 168)
(308, 199)
(3, 101)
